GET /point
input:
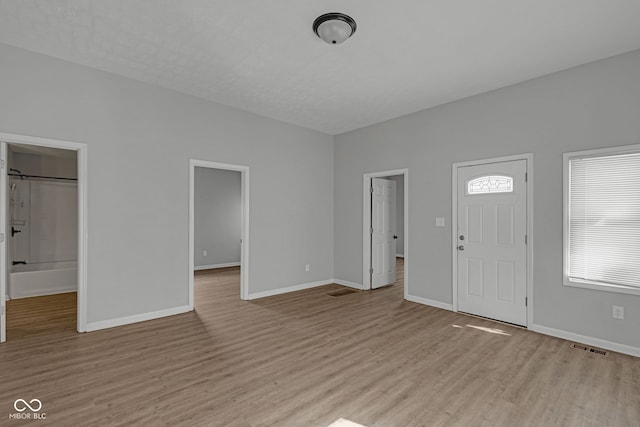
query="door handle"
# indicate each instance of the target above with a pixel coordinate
(461, 248)
(395, 237)
(14, 231)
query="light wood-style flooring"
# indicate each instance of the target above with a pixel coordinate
(42, 317)
(307, 359)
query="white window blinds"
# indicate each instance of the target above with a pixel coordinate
(604, 220)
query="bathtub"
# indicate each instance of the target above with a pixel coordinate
(44, 278)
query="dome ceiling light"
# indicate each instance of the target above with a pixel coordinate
(334, 28)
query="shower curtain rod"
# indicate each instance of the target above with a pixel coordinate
(23, 176)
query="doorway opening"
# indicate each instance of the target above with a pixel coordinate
(218, 224)
(386, 230)
(42, 236)
(492, 246)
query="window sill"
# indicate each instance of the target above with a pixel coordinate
(585, 284)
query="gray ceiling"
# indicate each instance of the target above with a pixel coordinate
(262, 56)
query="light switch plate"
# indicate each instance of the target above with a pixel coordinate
(439, 221)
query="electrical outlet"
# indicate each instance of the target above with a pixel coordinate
(205, 253)
(307, 267)
(439, 221)
(618, 312)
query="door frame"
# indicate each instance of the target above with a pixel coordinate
(244, 232)
(366, 225)
(4, 241)
(83, 216)
(528, 158)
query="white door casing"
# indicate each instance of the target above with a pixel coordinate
(82, 157)
(383, 240)
(4, 273)
(491, 240)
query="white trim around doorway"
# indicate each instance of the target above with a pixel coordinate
(83, 229)
(366, 225)
(244, 234)
(528, 157)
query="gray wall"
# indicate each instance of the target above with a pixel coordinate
(591, 106)
(140, 139)
(218, 216)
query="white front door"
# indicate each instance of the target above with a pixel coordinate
(491, 240)
(4, 273)
(383, 238)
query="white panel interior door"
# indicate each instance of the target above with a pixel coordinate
(383, 222)
(4, 273)
(492, 254)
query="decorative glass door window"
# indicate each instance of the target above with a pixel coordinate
(490, 184)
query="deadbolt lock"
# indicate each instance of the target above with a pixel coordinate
(461, 237)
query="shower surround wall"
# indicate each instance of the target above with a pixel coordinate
(43, 213)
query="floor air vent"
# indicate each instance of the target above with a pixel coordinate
(589, 349)
(341, 292)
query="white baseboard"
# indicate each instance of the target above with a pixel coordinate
(399, 255)
(288, 289)
(212, 266)
(583, 339)
(104, 324)
(430, 302)
(349, 284)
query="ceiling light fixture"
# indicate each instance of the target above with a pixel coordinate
(334, 28)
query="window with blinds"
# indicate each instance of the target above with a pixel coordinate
(602, 208)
